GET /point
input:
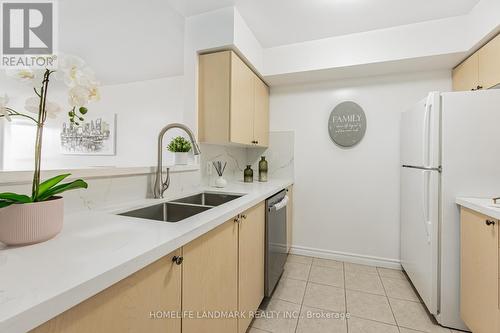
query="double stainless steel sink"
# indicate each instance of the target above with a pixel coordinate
(180, 209)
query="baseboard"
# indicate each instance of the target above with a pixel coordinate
(347, 257)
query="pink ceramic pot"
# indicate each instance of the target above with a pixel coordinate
(23, 224)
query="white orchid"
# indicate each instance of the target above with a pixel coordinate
(33, 105)
(81, 79)
(78, 96)
(26, 75)
(76, 72)
(83, 88)
(3, 107)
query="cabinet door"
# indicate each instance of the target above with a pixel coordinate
(479, 272)
(127, 306)
(489, 64)
(289, 219)
(242, 102)
(251, 263)
(261, 113)
(465, 76)
(214, 75)
(209, 280)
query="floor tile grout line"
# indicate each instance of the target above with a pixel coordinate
(345, 300)
(375, 321)
(303, 296)
(388, 301)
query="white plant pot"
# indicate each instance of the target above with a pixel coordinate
(181, 158)
(23, 224)
(220, 182)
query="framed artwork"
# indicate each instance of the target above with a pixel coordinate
(94, 136)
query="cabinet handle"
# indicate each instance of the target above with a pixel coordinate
(490, 222)
(237, 219)
(243, 216)
(479, 87)
(177, 259)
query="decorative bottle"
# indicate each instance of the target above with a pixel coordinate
(263, 169)
(248, 174)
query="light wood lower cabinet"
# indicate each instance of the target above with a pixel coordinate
(479, 303)
(127, 305)
(209, 280)
(251, 237)
(220, 273)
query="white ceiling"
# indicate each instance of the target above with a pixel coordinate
(279, 22)
(123, 41)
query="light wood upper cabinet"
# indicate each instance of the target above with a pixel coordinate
(481, 70)
(489, 63)
(242, 102)
(261, 113)
(479, 303)
(214, 97)
(233, 102)
(465, 76)
(210, 279)
(126, 306)
(251, 263)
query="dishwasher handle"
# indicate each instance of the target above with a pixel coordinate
(280, 205)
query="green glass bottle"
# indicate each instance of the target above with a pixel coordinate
(248, 174)
(263, 169)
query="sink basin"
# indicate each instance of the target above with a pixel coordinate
(208, 199)
(180, 209)
(167, 212)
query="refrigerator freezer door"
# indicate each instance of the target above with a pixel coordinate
(419, 232)
(420, 127)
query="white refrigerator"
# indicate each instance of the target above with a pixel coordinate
(450, 147)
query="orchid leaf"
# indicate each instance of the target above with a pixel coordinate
(62, 188)
(13, 197)
(50, 183)
(4, 204)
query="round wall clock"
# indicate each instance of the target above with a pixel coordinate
(347, 124)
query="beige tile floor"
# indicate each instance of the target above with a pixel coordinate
(317, 293)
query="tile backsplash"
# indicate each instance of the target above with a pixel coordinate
(105, 192)
(279, 155)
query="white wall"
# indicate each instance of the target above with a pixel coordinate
(142, 109)
(347, 200)
(123, 41)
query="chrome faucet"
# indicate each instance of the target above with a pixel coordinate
(160, 185)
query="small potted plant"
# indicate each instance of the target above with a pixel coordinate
(29, 219)
(180, 147)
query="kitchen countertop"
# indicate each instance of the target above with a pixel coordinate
(96, 249)
(482, 205)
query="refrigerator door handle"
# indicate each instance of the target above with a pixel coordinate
(426, 132)
(426, 205)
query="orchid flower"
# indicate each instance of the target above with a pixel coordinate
(83, 88)
(3, 107)
(33, 105)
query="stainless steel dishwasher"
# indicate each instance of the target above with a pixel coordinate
(276, 251)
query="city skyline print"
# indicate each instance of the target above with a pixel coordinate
(94, 136)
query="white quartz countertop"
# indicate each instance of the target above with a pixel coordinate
(482, 205)
(97, 249)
